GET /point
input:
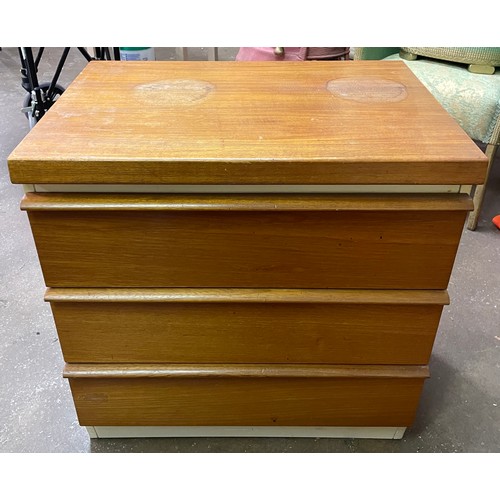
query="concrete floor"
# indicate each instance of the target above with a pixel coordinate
(460, 405)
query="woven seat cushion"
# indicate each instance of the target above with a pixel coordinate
(466, 55)
(472, 99)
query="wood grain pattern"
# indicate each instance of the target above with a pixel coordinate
(362, 248)
(227, 328)
(258, 123)
(255, 401)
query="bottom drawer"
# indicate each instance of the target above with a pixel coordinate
(246, 395)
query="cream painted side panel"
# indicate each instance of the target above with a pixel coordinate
(92, 432)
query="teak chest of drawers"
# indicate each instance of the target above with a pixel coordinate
(246, 248)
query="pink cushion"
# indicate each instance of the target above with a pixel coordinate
(267, 54)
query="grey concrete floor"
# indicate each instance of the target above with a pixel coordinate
(460, 406)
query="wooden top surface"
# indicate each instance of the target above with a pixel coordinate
(340, 122)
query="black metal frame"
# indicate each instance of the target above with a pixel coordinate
(42, 99)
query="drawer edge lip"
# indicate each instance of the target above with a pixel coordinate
(237, 202)
(249, 295)
(175, 371)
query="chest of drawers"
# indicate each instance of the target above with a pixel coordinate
(238, 246)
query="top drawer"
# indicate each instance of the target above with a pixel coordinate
(287, 241)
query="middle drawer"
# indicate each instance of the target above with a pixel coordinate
(246, 325)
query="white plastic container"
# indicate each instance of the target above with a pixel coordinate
(137, 53)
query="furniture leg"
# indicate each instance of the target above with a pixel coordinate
(491, 150)
(213, 53)
(181, 53)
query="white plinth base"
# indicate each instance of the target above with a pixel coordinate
(293, 432)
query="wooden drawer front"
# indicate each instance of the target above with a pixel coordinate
(246, 326)
(336, 242)
(240, 397)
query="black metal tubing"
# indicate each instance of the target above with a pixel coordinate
(102, 53)
(29, 64)
(24, 72)
(29, 71)
(85, 54)
(50, 91)
(31, 75)
(38, 57)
